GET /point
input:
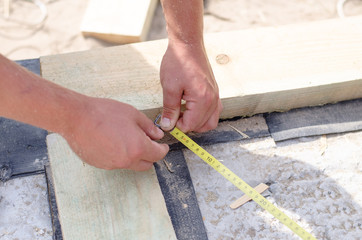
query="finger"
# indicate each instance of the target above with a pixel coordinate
(154, 151)
(171, 108)
(148, 153)
(213, 121)
(199, 120)
(150, 150)
(195, 116)
(149, 127)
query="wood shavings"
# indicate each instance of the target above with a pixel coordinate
(240, 132)
(168, 166)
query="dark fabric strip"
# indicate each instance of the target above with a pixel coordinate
(180, 197)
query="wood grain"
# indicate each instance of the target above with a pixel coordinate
(100, 204)
(258, 70)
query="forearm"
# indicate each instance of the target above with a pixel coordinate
(29, 98)
(185, 71)
(184, 20)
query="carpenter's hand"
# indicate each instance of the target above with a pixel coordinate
(186, 74)
(109, 134)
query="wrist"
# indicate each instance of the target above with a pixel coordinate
(194, 42)
(181, 48)
(71, 111)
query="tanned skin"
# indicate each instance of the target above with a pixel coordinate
(185, 70)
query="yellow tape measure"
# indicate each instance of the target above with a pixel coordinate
(239, 183)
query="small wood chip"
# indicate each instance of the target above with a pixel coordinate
(244, 199)
(240, 132)
(168, 166)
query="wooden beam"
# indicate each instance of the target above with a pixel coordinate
(258, 70)
(118, 21)
(101, 204)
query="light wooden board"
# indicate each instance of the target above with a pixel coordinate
(263, 70)
(101, 204)
(119, 21)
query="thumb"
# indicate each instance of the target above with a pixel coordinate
(171, 110)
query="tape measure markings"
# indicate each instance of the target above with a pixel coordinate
(242, 185)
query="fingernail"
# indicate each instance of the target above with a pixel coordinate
(165, 123)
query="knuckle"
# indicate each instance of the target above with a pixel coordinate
(170, 109)
(210, 97)
(212, 125)
(124, 163)
(135, 153)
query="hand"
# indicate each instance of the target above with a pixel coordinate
(186, 74)
(110, 135)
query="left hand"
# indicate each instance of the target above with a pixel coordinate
(186, 74)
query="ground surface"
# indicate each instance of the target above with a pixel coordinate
(331, 163)
(24, 210)
(314, 180)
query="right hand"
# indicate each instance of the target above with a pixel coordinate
(111, 135)
(186, 74)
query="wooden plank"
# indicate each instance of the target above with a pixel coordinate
(119, 21)
(100, 204)
(258, 70)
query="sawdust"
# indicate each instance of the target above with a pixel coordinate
(211, 197)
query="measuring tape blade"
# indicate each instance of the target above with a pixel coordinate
(239, 183)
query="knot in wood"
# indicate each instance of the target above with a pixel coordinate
(222, 59)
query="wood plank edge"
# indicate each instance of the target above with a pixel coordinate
(279, 101)
(114, 38)
(53, 207)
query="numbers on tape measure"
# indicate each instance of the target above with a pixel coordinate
(238, 182)
(263, 202)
